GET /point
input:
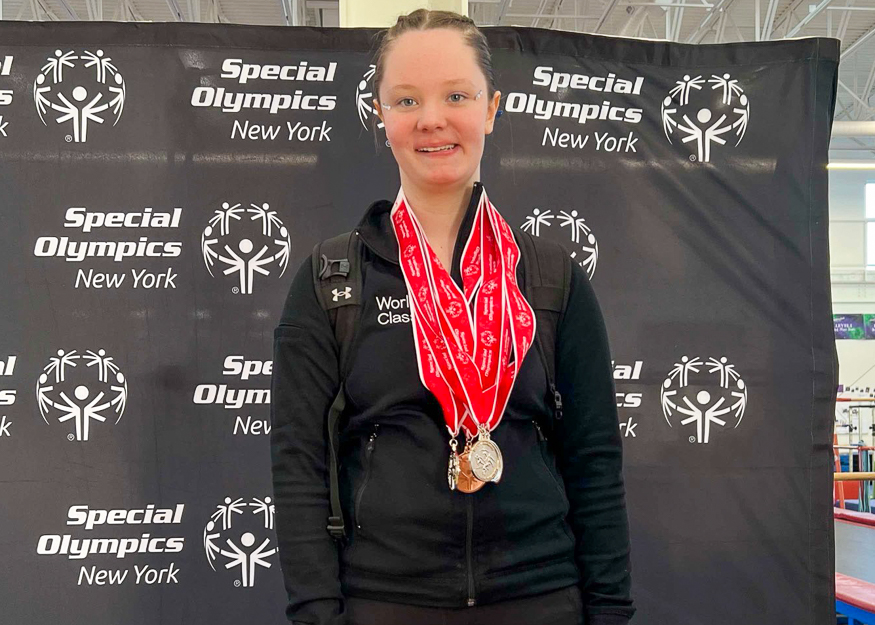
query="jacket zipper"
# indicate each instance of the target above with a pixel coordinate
(369, 450)
(469, 548)
(456, 263)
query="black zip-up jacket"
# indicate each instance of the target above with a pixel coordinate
(556, 518)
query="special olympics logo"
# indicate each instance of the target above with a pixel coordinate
(82, 93)
(581, 235)
(271, 239)
(240, 533)
(363, 96)
(97, 388)
(705, 118)
(703, 398)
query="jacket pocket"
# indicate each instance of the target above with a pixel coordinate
(542, 443)
(557, 482)
(366, 463)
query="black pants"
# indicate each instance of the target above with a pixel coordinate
(562, 607)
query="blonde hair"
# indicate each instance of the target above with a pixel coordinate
(425, 19)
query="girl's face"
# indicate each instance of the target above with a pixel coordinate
(430, 84)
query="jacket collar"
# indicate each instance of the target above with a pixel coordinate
(377, 233)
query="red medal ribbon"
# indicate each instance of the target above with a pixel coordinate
(470, 342)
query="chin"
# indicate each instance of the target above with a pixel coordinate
(445, 180)
(439, 176)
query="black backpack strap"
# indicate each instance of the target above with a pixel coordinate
(337, 278)
(335, 517)
(548, 284)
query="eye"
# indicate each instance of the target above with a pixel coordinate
(461, 95)
(403, 100)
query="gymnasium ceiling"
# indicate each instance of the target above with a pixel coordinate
(688, 21)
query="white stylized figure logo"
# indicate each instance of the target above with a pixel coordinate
(537, 219)
(581, 235)
(364, 96)
(231, 534)
(705, 118)
(589, 246)
(79, 97)
(239, 255)
(685, 391)
(91, 398)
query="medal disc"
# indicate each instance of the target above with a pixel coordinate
(453, 471)
(486, 461)
(466, 482)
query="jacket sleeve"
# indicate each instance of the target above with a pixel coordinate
(303, 385)
(590, 454)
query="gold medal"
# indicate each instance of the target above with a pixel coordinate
(453, 471)
(453, 468)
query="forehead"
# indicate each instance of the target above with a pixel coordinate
(427, 83)
(431, 58)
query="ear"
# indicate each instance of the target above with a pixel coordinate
(491, 110)
(379, 110)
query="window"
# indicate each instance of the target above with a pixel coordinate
(870, 224)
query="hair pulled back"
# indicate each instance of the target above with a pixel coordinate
(425, 19)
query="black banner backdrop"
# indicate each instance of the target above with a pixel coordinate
(163, 182)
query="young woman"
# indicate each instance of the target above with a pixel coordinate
(457, 508)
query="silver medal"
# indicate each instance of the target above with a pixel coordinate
(486, 461)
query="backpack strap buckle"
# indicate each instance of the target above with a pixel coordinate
(335, 528)
(326, 264)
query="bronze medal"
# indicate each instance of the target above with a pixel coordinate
(467, 483)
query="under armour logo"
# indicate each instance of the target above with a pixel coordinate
(346, 293)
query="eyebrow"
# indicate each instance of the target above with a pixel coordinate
(447, 82)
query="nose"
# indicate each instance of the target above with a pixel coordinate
(431, 116)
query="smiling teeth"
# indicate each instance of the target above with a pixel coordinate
(446, 147)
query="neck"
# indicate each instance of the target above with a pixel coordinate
(440, 210)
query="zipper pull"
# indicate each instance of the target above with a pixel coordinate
(541, 436)
(373, 437)
(557, 401)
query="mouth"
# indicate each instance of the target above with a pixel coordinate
(449, 148)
